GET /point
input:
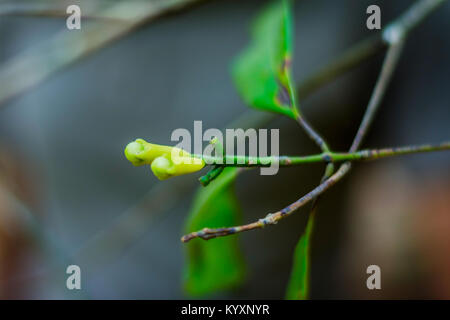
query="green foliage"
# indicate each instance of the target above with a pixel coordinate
(217, 264)
(298, 287)
(262, 72)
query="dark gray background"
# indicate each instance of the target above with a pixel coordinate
(71, 131)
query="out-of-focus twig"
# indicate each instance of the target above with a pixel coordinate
(57, 9)
(32, 66)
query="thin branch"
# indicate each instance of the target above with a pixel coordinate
(313, 134)
(91, 11)
(418, 11)
(387, 70)
(410, 19)
(309, 130)
(271, 218)
(287, 161)
(367, 48)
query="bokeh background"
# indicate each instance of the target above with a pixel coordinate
(69, 196)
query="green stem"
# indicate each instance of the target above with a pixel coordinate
(371, 154)
(211, 175)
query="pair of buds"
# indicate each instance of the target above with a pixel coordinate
(164, 161)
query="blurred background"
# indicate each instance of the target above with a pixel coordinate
(69, 196)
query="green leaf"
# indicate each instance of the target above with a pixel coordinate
(217, 264)
(298, 287)
(262, 71)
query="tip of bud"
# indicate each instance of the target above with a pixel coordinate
(133, 151)
(162, 168)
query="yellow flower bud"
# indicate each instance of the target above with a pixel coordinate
(165, 161)
(163, 168)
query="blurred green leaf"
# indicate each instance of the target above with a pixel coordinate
(217, 264)
(298, 287)
(262, 71)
